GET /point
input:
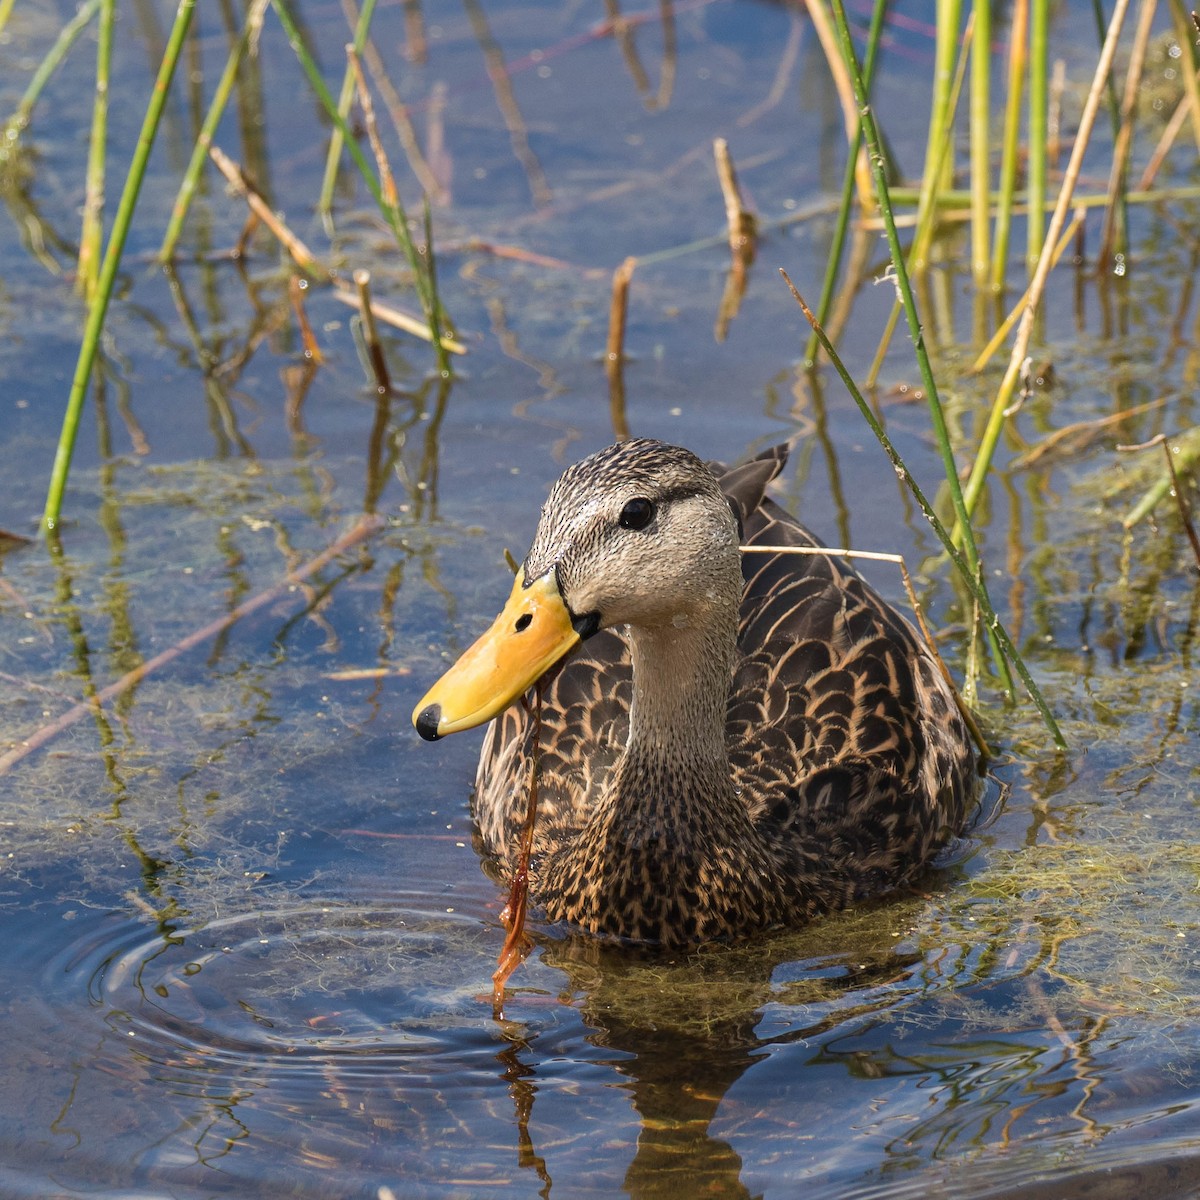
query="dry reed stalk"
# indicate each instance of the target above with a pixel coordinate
(300, 253)
(1170, 132)
(362, 281)
(743, 239)
(1124, 140)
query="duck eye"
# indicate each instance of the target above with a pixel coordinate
(637, 513)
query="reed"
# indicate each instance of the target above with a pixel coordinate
(45, 69)
(98, 308)
(908, 301)
(200, 151)
(421, 264)
(92, 232)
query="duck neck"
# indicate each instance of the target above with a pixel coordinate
(681, 677)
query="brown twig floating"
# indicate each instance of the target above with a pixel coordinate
(301, 255)
(296, 289)
(364, 528)
(517, 944)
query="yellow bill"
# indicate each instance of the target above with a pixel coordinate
(532, 632)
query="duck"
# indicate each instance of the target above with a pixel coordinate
(735, 731)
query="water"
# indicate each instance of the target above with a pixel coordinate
(248, 945)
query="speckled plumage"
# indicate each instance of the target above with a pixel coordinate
(794, 748)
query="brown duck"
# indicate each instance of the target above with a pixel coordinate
(737, 740)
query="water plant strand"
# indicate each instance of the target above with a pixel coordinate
(98, 308)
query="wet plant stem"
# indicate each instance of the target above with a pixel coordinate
(1011, 141)
(92, 233)
(345, 99)
(392, 209)
(62, 44)
(204, 141)
(980, 141)
(904, 291)
(98, 308)
(970, 576)
(1002, 405)
(838, 242)
(1039, 55)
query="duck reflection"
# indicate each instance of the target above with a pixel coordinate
(683, 1028)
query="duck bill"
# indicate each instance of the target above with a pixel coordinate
(533, 631)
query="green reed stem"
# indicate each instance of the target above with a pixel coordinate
(904, 287)
(6, 7)
(939, 165)
(928, 209)
(345, 99)
(837, 249)
(63, 43)
(98, 308)
(216, 109)
(980, 122)
(92, 233)
(1185, 35)
(1002, 404)
(969, 575)
(1011, 145)
(392, 210)
(1039, 58)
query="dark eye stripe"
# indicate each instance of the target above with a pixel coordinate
(637, 513)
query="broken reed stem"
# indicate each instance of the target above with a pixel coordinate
(898, 559)
(362, 281)
(300, 253)
(1183, 110)
(617, 311)
(296, 290)
(399, 319)
(1000, 406)
(516, 943)
(742, 224)
(364, 528)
